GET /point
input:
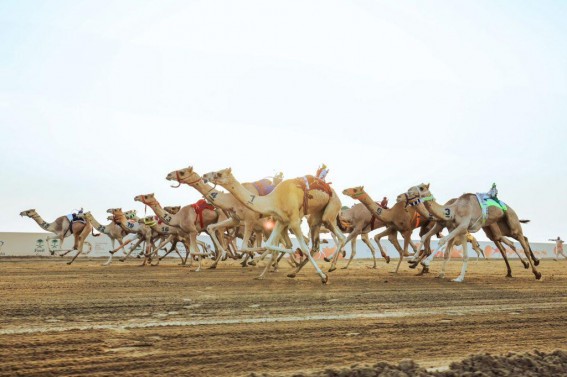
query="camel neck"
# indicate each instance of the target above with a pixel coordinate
(41, 222)
(163, 214)
(256, 203)
(217, 198)
(98, 226)
(382, 214)
(433, 208)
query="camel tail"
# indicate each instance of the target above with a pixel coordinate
(524, 221)
(94, 235)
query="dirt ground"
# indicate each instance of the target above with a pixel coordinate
(84, 318)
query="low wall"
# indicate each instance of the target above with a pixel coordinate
(35, 244)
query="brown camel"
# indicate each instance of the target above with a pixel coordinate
(466, 215)
(356, 221)
(399, 218)
(62, 228)
(237, 212)
(191, 219)
(290, 201)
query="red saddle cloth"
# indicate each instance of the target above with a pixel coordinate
(314, 184)
(199, 207)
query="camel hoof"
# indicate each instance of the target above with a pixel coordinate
(458, 280)
(509, 275)
(291, 275)
(324, 279)
(413, 265)
(536, 262)
(121, 260)
(251, 263)
(537, 275)
(333, 268)
(259, 278)
(526, 265)
(440, 276)
(243, 264)
(344, 268)
(326, 259)
(387, 259)
(343, 253)
(68, 263)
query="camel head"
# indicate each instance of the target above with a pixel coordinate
(83, 215)
(29, 213)
(354, 192)
(186, 175)
(221, 177)
(416, 194)
(172, 209)
(130, 214)
(114, 211)
(147, 199)
(278, 178)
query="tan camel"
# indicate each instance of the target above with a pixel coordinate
(112, 230)
(399, 218)
(169, 235)
(142, 231)
(439, 225)
(356, 221)
(238, 214)
(466, 215)
(290, 201)
(63, 228)
(191, 220)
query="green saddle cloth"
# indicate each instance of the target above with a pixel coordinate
(493, 203)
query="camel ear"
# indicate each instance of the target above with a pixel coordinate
(230, 170)
(427, 185)
(362, 187)
(190, 168)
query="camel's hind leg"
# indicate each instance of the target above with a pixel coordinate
(461, 277)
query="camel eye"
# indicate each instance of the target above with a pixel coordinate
(182, 173)
(421, 189)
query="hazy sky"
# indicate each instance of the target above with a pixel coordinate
(99, 100)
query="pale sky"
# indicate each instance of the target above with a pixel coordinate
(99, 100)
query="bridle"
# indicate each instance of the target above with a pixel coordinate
(179, 179)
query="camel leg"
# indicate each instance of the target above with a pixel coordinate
(511, 245)
(212, 229)
(377, 240)
(352, 253)
(392, 237)
(352, 236)
(522, 240)
(296, 228)
(132, 248)
(278, 228)
(461, 277)
(364, 237)
(503, 252)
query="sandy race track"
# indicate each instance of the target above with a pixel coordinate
(84, 318)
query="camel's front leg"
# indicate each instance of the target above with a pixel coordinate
(352, 253)
(212, 229)
(461, 277)
(132, 248)
(296, 228)
(351, 238)
(393, 238)
(365, 239)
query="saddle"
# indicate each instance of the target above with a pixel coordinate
(264, 186)
(199, 207)
(308, 183)
(73, 218)
(485, 201)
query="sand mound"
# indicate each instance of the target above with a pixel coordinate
(483, 365)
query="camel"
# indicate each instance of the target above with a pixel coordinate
(191, 220)
(287, 204)
(171, 235)
(63, 228)
(112, 230)
(399, 218)
(142, 231)
(237, 212)
(440, 224)
(358, 220)
(466, 215)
